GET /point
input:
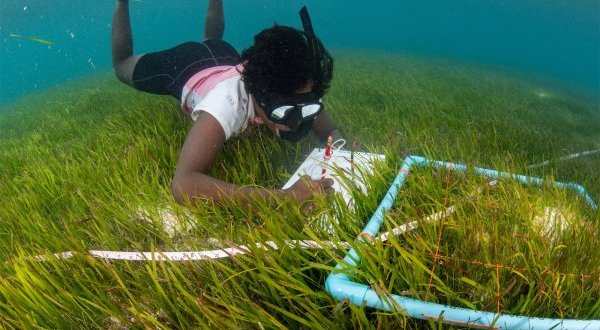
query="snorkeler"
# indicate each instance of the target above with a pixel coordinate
(278, 82)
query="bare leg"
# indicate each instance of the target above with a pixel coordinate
(214, 26)
(122, 44)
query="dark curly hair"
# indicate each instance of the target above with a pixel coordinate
(280, 62)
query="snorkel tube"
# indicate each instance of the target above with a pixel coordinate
(322, 62)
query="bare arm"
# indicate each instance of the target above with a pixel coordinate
(191, 182)
(324, 127)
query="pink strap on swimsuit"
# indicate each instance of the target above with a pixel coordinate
(204, 81)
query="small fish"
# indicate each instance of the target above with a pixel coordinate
(36, 39)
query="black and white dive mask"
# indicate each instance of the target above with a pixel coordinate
(296, 111)
(293, 109)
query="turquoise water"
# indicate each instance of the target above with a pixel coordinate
(556, 39)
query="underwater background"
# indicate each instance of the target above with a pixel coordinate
(86, 164)
(554, 39)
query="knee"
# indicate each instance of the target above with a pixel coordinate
(123, 72)
(120, 76)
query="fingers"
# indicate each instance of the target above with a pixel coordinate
(282, 127)
(324, 186)
(305, 188)
(326, 182)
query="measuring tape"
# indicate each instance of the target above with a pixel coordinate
(236, 249)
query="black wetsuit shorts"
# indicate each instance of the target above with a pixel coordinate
(167, 71)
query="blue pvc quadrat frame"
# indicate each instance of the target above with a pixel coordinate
(340, 286)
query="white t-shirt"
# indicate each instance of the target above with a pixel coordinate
(220, 92)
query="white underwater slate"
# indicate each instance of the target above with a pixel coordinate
(345, 163)
(353, 165)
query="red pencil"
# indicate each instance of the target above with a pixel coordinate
(326, 156)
